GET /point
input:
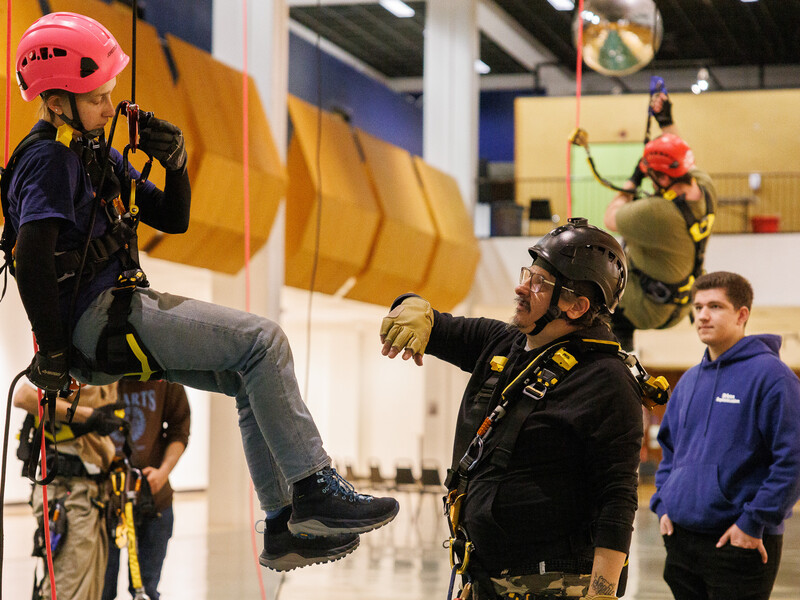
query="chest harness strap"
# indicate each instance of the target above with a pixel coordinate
(699, 230)
(519, 398)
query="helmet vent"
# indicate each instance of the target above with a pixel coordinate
(88, 66)
(59, 52)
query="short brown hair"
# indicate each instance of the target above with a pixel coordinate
(737, 288)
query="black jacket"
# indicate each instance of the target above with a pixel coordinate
(570, 484)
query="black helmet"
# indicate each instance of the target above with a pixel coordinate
(583, 252)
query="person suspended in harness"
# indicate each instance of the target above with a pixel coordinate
(544, 474)
(76, 495)
(665, 233)
(71, 212)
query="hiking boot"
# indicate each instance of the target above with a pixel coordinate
(284, 551)
(326, 504)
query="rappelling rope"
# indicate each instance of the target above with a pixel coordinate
(578, 83)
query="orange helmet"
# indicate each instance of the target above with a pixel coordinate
(667, 154)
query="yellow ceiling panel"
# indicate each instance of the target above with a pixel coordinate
(349, 216)
(452, 270)
(406, 240)
(215, 239)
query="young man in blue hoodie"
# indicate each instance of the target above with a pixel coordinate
(730, 472)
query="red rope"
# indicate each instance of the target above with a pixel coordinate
(45, 503)
(578, 84)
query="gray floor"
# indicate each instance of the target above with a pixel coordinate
(404, 560)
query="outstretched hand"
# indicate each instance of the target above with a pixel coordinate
(407, 328)
(661, 107)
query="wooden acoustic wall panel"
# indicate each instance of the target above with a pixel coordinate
(155, 90)
(350, 215)
(215, 239)
(23, 114)
(452, 271)
(406, 240)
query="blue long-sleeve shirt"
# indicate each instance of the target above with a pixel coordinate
(731, 442)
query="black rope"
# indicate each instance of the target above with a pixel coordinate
(3, 471)
(133, 52)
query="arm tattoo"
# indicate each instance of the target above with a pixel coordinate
(602, 586)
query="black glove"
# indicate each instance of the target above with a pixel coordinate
(49, 371)
(104, 421)
(664, 116)
(638, 177)
(163, 141)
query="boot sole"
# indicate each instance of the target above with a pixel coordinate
(332, 526)
(294, 560)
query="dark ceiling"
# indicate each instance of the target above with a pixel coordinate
(710, 33)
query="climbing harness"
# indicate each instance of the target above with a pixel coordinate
(699, 230)
(516, 402)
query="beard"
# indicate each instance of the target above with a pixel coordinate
(515, 322)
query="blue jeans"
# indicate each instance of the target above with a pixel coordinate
(232, 352)
(152, 536)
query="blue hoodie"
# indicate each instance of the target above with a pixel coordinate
(731, 442)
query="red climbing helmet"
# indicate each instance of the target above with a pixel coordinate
(67, 51)
(667, 154)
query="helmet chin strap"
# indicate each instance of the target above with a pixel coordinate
(553, 312)
(76, 124)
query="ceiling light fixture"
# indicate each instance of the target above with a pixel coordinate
(398, 8)
(702, 81)
(481, 67)
(562, 4)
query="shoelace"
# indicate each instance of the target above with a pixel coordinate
(340, 486)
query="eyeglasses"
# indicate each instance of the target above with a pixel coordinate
(535, 281)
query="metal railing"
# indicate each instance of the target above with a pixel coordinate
(778, 197)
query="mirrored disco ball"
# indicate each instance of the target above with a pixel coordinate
(619, 36)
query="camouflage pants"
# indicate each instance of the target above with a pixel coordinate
(540, 587)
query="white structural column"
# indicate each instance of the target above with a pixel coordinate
(450, 91)
(267, 63)
(450, 143)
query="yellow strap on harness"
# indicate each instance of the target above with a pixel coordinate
(146, 371)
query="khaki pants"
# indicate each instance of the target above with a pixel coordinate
(81, 563)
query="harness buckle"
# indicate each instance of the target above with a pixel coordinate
(536, 390)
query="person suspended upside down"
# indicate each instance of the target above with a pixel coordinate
(96, 318)
(665, 234)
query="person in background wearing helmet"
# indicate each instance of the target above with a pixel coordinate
(76, 494)
(548, 499)
(730, 472)
(71, 62)
(664, 234)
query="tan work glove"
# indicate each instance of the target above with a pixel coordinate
(407, 327)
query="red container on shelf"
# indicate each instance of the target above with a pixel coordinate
(765, 223)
